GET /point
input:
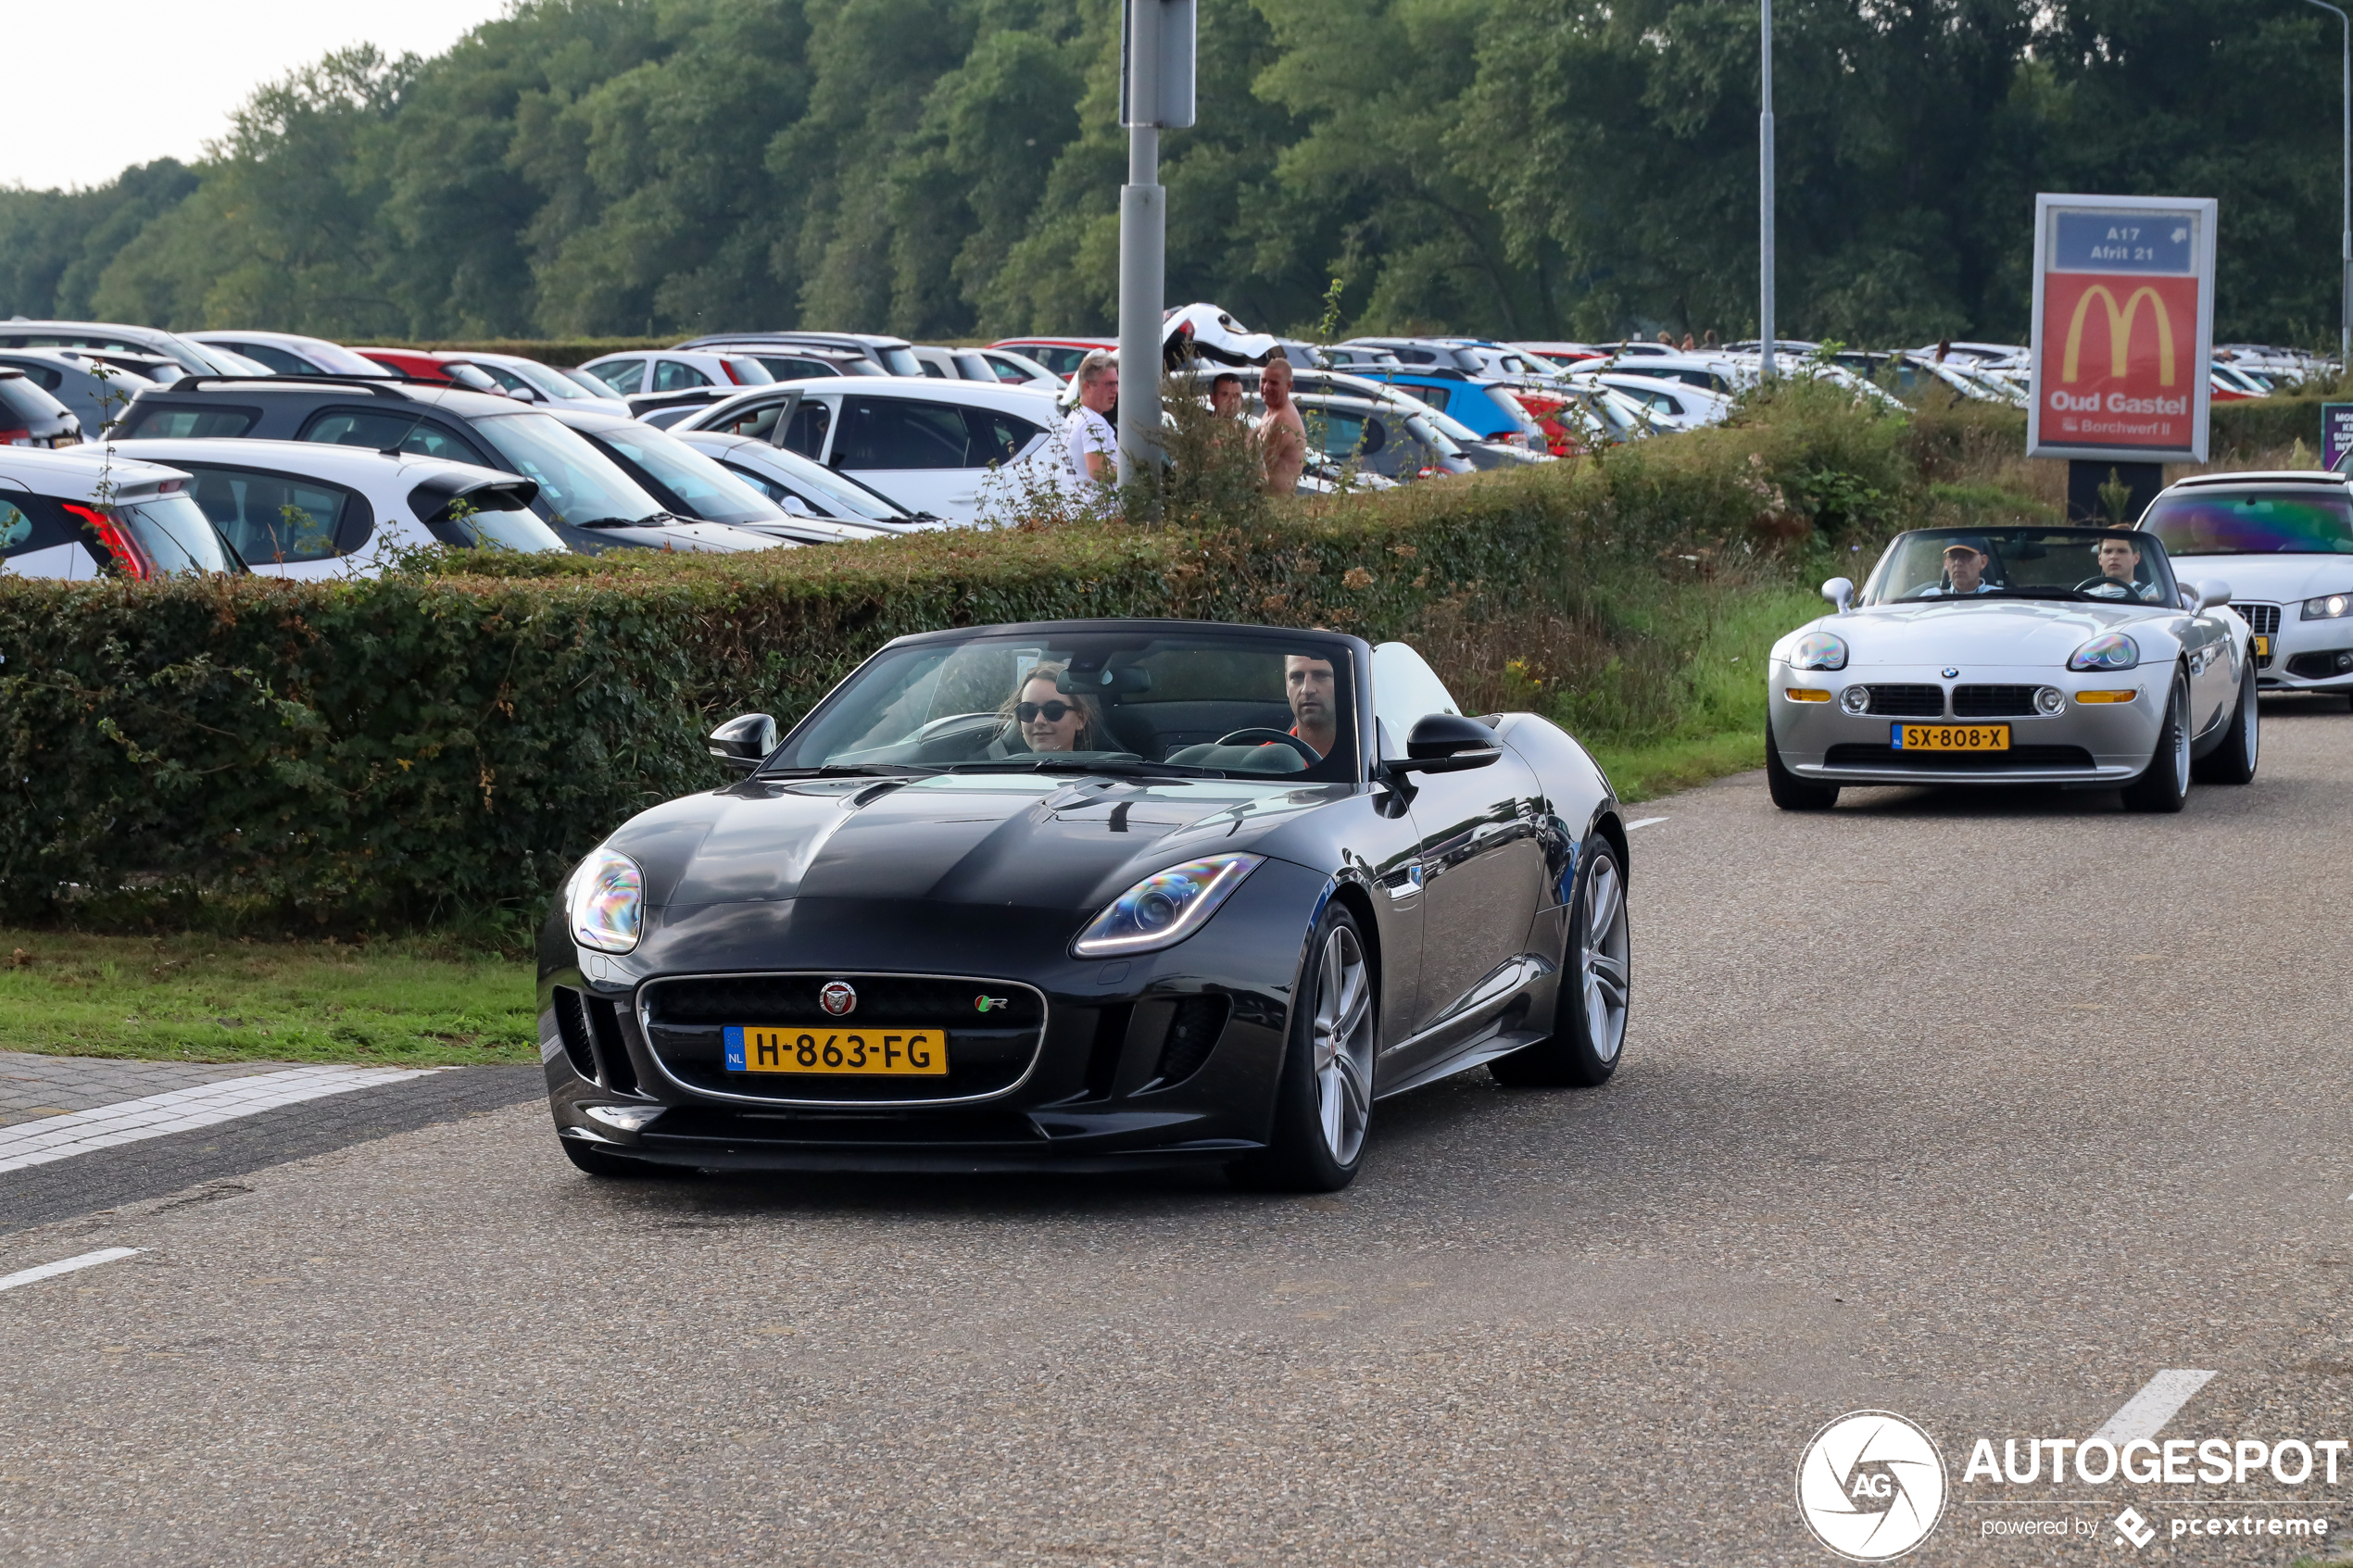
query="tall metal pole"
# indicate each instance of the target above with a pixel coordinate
(1764, 199)
(1143, 239)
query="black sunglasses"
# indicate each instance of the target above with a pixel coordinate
(1055, 712)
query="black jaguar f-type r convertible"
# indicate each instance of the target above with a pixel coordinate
(1084, 895)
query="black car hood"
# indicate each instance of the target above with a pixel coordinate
(1016, 840)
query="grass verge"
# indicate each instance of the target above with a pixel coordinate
(193, 998)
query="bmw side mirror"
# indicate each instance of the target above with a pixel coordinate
(743, 741)
(1447, 743)
(1840, 590)
(2211, 593)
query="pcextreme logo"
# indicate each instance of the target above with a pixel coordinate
(1870, 1485)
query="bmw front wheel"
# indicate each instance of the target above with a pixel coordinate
(2164, 784)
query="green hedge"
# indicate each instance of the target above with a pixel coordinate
(402, 749)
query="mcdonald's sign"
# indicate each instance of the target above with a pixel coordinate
(2124, 328)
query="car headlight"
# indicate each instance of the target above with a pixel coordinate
(2109, 650)
(1855, 699)
(2329, 607)
(606, 902)
(2049, 700)
(1819, 650)
(1166, 907)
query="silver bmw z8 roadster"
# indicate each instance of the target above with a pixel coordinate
(2035, 655)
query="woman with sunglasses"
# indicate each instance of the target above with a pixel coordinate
(1051, 720)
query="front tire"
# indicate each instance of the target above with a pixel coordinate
(1324, 1099)
(1789, 791)
(2233, 761)
(1596, 987)
(2164, 784)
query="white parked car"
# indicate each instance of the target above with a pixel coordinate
(305, 509)
(930, 446)
(292, 354)
(77, 514)
(532, 382)
(810, 492)
(2283, 541)
(195, 358)
(670, 371)
(1667, 405)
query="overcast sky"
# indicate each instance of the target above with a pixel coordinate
(94, 87)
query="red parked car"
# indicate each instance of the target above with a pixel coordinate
(423, 364)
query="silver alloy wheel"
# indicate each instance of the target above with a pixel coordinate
(1601, 960)
(1344, 1044)
(2180, 737)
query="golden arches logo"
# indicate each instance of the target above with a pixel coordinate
(2120, 332)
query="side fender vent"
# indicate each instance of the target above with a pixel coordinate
(1194, 1025)
(613, 1052)
(572, 1022)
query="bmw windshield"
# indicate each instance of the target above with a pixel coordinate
(2310, 520)
(2116, 565)
(1087, 700)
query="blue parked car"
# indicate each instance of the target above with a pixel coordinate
(1487, 408)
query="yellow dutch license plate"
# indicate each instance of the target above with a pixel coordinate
(867, 1052)
(1951, 737)
(2262, 646)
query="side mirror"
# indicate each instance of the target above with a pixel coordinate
(1447, 743)
(2211, 591)
(794, 504)
(743, 741)
(1840, 590)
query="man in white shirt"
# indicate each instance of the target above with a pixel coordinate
(1088, 435)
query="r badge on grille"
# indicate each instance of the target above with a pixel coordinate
(839, 997)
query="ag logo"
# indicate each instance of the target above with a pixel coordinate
(1872, 1485)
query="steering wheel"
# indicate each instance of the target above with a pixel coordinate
(2093, 585)
(1274, 737)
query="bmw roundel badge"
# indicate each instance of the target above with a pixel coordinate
(839, 998)
(1951, 673)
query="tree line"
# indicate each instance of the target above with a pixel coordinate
(1524, 168)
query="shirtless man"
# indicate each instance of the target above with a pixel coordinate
(1282, 435)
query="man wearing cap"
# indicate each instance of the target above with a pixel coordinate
(1963, 571)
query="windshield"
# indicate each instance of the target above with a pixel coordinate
(491, 519)
(1093, 700)
(578, 484)
(901, 361)
(704, 488)
(2039, 563)
(2310, 520)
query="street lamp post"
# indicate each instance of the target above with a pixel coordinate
(1764, 199)
(2345, 249)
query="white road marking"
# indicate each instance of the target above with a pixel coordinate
(2146, 1413)
(1643, 823)
(67, 1266)
(60, 1137)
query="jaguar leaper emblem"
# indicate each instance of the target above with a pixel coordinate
(839, 998)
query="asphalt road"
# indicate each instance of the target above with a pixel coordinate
(1980, 1109)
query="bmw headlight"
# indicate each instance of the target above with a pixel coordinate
(2109, 650)
(1819, 650)
(2328, 607)
(606, 902)
(1166, 907)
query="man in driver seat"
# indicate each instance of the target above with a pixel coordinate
(1965, 561)
(2119, 568)
(1309, 687)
